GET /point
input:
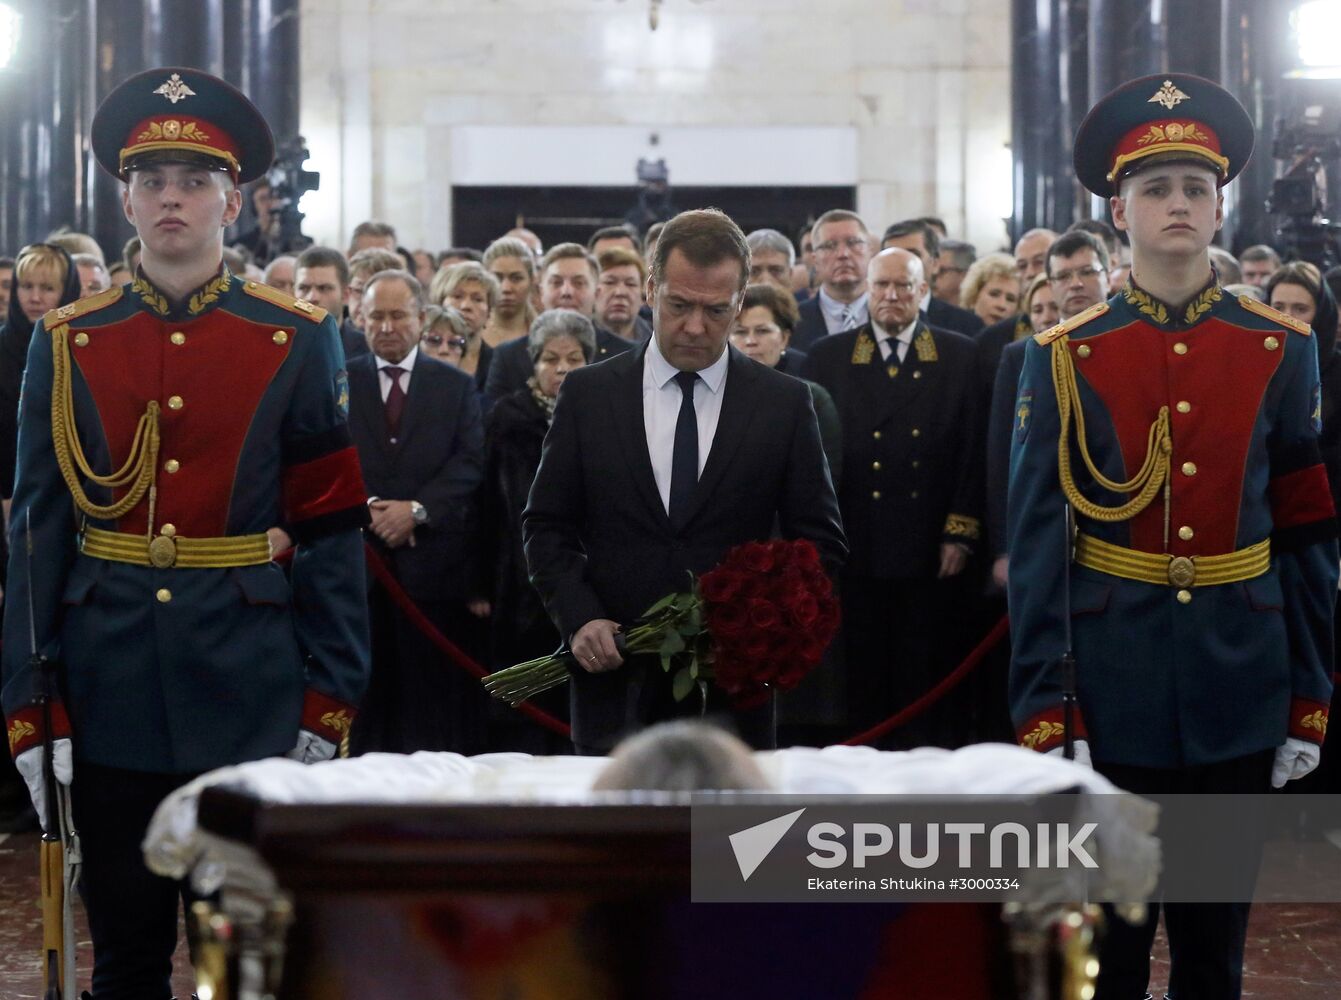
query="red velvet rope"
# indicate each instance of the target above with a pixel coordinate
(946, 685)
(448, 648)
(458, 656)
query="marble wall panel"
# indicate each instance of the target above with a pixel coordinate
(923, 82)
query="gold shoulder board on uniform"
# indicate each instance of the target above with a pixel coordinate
(1079, 319)
(274, 296)
(77, 308)
(1262, 309)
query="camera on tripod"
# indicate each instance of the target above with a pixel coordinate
(1299, 196)
(288, 183)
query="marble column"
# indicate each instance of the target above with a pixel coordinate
(1035, 138)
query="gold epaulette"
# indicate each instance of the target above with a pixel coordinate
(1262, 309)
(1048, 336)
(275, 297)
(63, 314)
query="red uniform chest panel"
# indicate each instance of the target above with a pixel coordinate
(1221, 377)
(217, 367)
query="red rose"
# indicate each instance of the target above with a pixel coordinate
(720, 584)
(804, 554)
(756, 557)
(804, 610)
(764, 614)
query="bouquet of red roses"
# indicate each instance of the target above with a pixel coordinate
(759, 620)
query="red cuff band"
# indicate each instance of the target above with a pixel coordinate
(27, 731)
(1300, 497)
(1046, 731)
(1308, 720)
(328, 718)
(323, 486)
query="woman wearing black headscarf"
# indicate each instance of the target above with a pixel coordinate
(1297, 289)
(44, 277)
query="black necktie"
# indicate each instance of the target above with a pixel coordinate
(684, 459)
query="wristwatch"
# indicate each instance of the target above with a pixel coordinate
(418, 512)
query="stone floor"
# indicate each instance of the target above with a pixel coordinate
(1294, 951)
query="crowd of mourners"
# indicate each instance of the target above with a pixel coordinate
(449, 467)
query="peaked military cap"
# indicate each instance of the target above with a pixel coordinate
(180, 115)
(1176, 113)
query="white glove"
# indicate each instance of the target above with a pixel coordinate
(1294, 759)
(311, 748)
(30, 764)
(1082, 756)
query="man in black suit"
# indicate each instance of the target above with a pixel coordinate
(910, 495)
(321, 277)
(842, 249)
(568, 277)
(416, 423)
(921, 238)
(656, 464)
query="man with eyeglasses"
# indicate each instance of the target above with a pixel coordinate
(420, 437)
(910, 492)
(842, 249)
(920, 237)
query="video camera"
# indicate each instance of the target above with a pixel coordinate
(1299, 196)
(288, 183)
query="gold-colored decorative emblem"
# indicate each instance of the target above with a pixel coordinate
(1084, 351)
(1145, 305)
(209, 294)
(864, 349)
(892, 371)
(172, 131)
(1022, 414)
(338, 721)
(1315, 720)
(1201, 305)
(66, 311)
(174, 89)
(1271, 343)
(162, 552)
(1042, 734)
(150, 296)
(962, 526)
(280, 337)
(1169, 96)
(302, 305)
(1182, 571)
(81, 339)
(18, 732)
(925, 344)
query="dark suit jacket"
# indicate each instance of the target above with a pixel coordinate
(811, 327)
(912, 455)
(944, 316)
(439, 462)
(599, 543)
(353, 341)
(511, 364)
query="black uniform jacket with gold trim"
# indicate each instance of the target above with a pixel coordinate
(1175, 674)
(912, 468)
(179, 669)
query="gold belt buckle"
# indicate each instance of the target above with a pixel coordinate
(1182, 571)
(163, 552)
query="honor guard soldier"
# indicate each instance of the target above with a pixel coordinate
(173, 433)
(1179, 424)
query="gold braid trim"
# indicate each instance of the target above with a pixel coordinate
(1148, 480)
(138, 472)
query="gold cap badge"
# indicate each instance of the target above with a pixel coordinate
(174, 89)
(1169, 96)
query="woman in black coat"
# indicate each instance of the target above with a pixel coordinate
(520, 629)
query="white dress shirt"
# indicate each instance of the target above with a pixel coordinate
(384, 380)
(895, 343)
(832, 310)
(661, 411)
